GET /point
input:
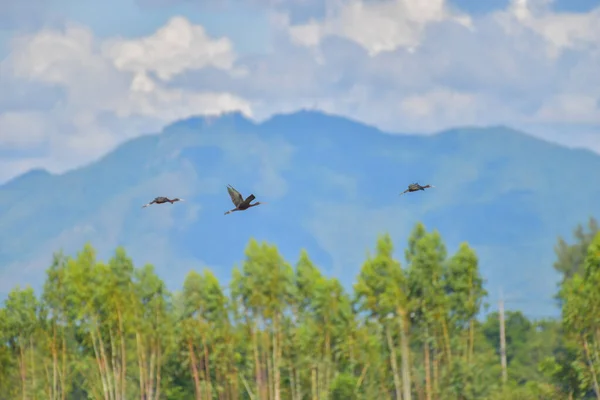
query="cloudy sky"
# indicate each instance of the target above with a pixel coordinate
(79, 77)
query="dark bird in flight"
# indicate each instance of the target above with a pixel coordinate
(239, 202)
(415, 187)
(161, 200)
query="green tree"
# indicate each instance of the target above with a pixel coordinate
(581, 316)
(20, 328)
(426, 279)
(264, 290)
(59, 331)
(153, 327)
(570, 258)
(112, 331)
(381, 289)
(466, 293)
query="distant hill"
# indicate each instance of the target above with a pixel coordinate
(332, 185)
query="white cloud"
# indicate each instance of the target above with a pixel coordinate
(570, 108)
(431, 67)
(378, 26)
(147, 98)
(562, 31)
(445, 103)
(111, 78)
(27, 121)
(174, 48)
(403, 65)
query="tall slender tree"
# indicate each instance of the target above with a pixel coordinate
(382, 290)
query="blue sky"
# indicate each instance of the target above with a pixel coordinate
(79, 78)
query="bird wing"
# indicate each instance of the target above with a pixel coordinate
(236, 197)
(248, 200)
(149, 204)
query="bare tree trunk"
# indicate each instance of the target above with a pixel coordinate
(151, 369)
(54, 362)
(138, 341)
(392, 347)
(115, 368)
(63, 378)
(328, 362)
(123, 366)
(207, 367)
(321, 380)
(361, 378)
(257, 363)
(269, 365)
(276, 356)
(404, 345)
(427, 358)
(101, 365)
(22, 370)
(31, 356)
(158, 370)
(436, 373)
(279, 358)
(107, 367)
(502, 341)
(471, 340)
(48, 383)
(446, 339)
(194, 370)
(313, 382)
(202, 370)
(292, 383)
(248, 390)
(298, 384)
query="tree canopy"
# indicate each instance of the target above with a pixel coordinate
(113, 331)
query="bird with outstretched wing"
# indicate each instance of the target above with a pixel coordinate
(238, 200)
(236, 197)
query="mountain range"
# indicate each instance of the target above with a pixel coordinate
(331, 186)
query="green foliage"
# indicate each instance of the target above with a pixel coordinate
(113, 331)
(581, 322)
(570, 258)
(342, 387)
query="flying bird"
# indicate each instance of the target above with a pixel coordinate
(415, 187)
(239, 202)
(161, 200)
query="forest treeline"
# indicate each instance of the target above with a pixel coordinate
(112, 331)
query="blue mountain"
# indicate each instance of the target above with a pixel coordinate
(331, 186)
